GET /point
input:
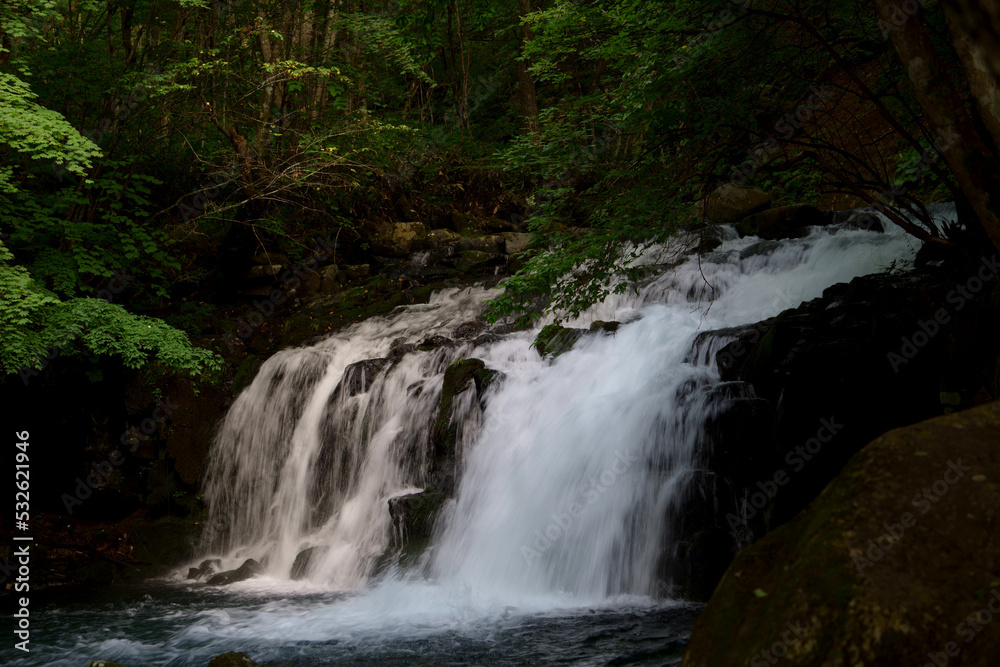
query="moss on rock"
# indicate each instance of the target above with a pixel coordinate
(555, 339)
(874, 571)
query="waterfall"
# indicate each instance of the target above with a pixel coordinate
(572, 470)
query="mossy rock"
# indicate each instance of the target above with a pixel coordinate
(554, 340)
(245, 374)
(444, 434)
(874, 571)
(413, 517)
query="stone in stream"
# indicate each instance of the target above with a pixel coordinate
(303, 560)
(249, 569)
(207, 567)
(554, 340)
(784, 222)
(232, 659)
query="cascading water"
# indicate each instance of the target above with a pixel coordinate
(571, 479)
(571, 472)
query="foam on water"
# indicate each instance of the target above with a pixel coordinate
(572, 469)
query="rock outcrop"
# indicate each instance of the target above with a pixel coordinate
(894, 563)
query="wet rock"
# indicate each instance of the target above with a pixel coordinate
(730, 204)
(830, 375)
(784, 222)
(434, 342)
(413, 518)
(469, 330)
(399, 349)
(358, 377)
(444, 434)
(304, 561)
(605, 327)
(762, 249)
(487, 339)
(232, 659)
(554, 340)
(103, 663)
(248, 570)
(863, 220)
(207, 567)
(873, 569)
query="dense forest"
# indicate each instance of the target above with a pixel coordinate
(156, 147)
(240, 236)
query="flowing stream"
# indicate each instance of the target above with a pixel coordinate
(555, 544)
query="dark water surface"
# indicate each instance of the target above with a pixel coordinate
(392, 624)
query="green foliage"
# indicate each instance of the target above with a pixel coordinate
(36, 326)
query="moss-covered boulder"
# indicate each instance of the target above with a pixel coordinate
(894, 563)
(555, 339)
(413, 517)
(444, 435)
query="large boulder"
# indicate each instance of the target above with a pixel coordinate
(444, 435)
(413, 516)
(894, 563)
(829, 376)
(304, 561)
(784, 222)
(729, 204)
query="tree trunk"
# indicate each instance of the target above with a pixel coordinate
(982, 80)
(956, 137)
(525, 84)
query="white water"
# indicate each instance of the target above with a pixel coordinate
(571, 473)
(603, 435)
